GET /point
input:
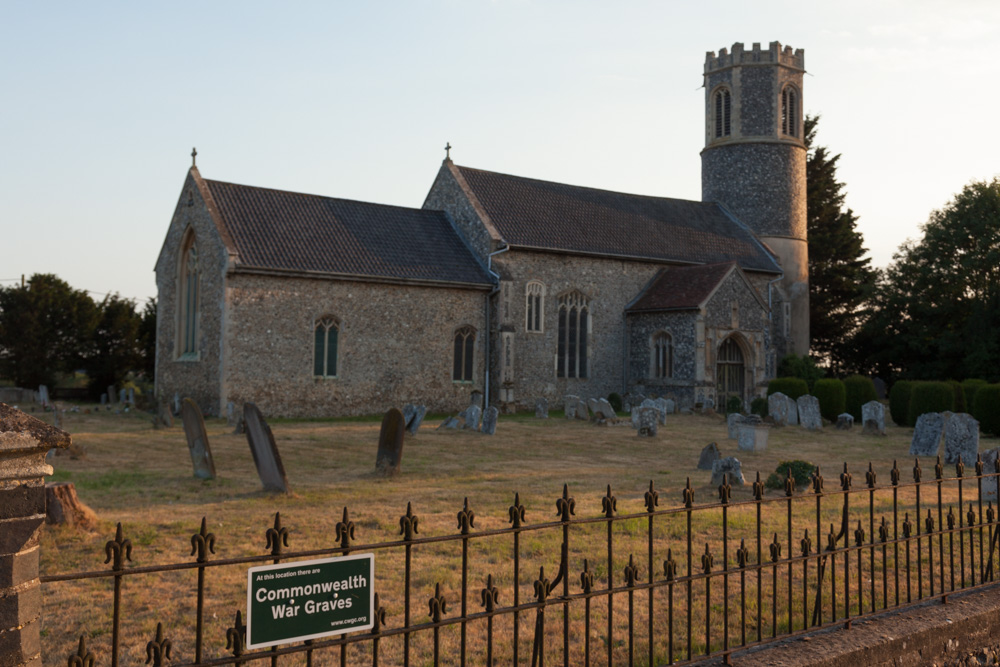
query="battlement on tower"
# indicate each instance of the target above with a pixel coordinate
(774, 54)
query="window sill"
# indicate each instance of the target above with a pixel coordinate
(461, 381)
(190, 356)
(320, 378)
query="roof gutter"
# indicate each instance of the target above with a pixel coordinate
(492, 293)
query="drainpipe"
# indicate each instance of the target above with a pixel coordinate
(770, 310)
(624, 354)
(489, 269)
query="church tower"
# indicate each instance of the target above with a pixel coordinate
(754, 164)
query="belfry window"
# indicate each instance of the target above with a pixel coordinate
(789, 112)
(327, 334)
(723, 110)
(465, 345)
(663, 355)
(188, 299)
(574, 329)
(534, 296)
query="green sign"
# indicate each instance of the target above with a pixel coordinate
(308, 599)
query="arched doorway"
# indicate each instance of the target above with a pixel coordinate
(730, 374)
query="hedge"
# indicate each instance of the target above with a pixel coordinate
(929, 397)
(970, 387)
(899, 402)
(791, 387)
(959, 404)
(734, 404)
(832, 398)
(802, 472)
(758, 406)
(615, 399)
(860, 390)
(987, 408)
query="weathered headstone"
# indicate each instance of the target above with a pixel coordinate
(177, 401)
(450, 422)
(809, 415)
(873, 418)
(104, 399)
(43, 395)
(390, 443)
(472, 415)
(123, 396)
(649, 418)
(476, 398)
(752, 435)
(927, 435)
(197, 440)
(413, 424)
(709, 455)
(730, 468)
(961, 439)
(707, 405)
(661, 405)
(490, 420)
(131, 396)
(570, 402)
(592, 405)
(113, 393)
(264, 450)
(165, 416)
(230, 414)
(733, 421)
(845, 421)
(635, 416)
(541, 409)
(409, 412)
(604, 409)
(990, 474)
(671, 406)
(782, 409)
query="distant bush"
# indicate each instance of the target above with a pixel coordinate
(758, 406)
(959, 404)
(616, 401)
(929, 397)
(970, 387)
(899, 402)
(804, 367)
(734, 405)
(789, 386)
(987, 408)
(801, 472)
(860, 390)
(832, 398)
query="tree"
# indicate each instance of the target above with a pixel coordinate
(115, 344)
(840, 275)
(937, 307)
(147, 337)
(45, 328)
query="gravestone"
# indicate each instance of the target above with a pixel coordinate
(809, 415)
(707, 405)
(43, 395)
(649, 418)
(490, 420)
(604, 409)
(541, 409)
(927, 435)
(476, 398)
(961, 439)
(241, 426)
(230, 414)
(472, 415)
(264, 450)
(729, 467)
(733, 421)
(570, 402)
(413, 424)
(450, 422)
(752, 435)
(113, 393)
(165, 417)
(592, 406)
(989, 474)
(104, 399)
(709, 455)
(782, 409)
(390, 443)
(845, 421)
(409, 412)
(177, 401)
(635, 416)
(671, 406)
(873, 418)
(661, 405)
(880, 388)
(123, 396)
(131, 396)
(582, 412)
(197, 440)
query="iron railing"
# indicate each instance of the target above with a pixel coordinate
(766, 577)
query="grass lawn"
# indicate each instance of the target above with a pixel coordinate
(143, 478)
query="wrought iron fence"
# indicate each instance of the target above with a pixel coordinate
(714, 578)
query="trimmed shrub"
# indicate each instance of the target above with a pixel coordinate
(801, 472)
(929, 397)
(758, 406)
(899, 402)
(734, 404)
(616, 401)
(791, 387)
(970, 387)
(804, 367)
(987, 408)
(860, 390)
(832, 398)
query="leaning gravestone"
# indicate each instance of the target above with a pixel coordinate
(570, 402)
(927, 435)
(164, 416)
(730, 468)
(582, 412)
(472, 414)
(709, 455)
(990, 474)
(592, 406)
(409, 412)
(43, 395)
(541, 409)
(845, 421)
(873, 418)
(413, 424)
(197, 439)
(264, 450)
(961, 439)
(450, 422)
(390, 443)
(733, 421)
(490, 420)
(604, 409)
(649, 418)
(782, 409)
(809, 415)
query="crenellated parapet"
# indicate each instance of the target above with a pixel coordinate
(774, 54)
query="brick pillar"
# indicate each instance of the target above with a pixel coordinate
(24, 442)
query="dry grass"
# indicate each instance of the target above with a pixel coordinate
(142, 478)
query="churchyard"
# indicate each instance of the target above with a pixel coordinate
(141, 477)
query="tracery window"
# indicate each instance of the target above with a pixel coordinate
(326, 344)
(663, 355)
(574, 329)
(723, 110)
(465, 344)
(534, 297)
(789, 112)
(188, 287)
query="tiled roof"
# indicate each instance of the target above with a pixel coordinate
(681, 288)
(554, 216)
(288, 231)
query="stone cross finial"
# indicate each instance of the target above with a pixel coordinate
(447, 151)
(194, 156)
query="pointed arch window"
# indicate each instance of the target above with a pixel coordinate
(663, 355)
(723, 113)
(534, 296)
(789, 112)
(465, 347)
(326, 344)
(188, 299)
(574, 332)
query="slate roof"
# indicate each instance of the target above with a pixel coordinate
(554, 216)
(681, 288)
(289, 231)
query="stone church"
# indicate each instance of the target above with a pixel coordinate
(511, 286)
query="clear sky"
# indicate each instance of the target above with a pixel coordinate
(102, 103)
